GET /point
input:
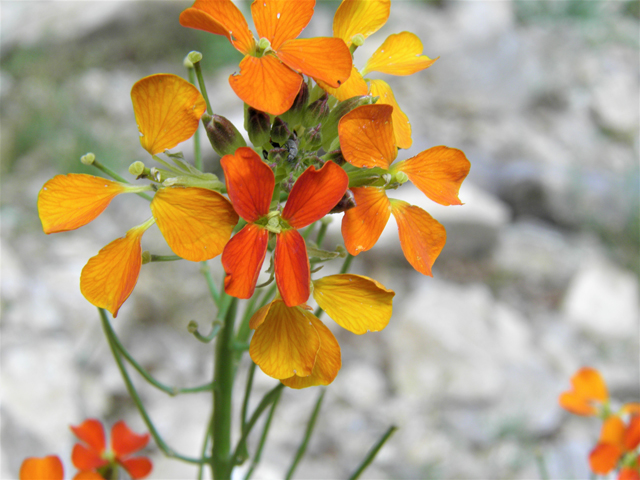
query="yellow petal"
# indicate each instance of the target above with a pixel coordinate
(400, 54)
(355, 86)
(286, 343)
(328, 360)
(362, 17)
(401, 125)
(357, 303)
(196, 222)
(67, 202)
(167, 109)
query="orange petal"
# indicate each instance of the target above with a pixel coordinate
(266, 84)
(314, 194)
(604, 458)
(45, 468)
(88, 475)
(242, 258)
(588, 383)
(67, 202)
(108, 279)
(629, 473)
(138, 467)
(421, 236)
(357, 303)
(258, 318)
(196, 223)
(281, 20)
(363, 17)
(632, 434)
(167, 110)
(576, 404)
(401, 125)
(286, 343)
(292, 267)
(612, 431)
(323, 58)
(438, 172)
(328, 360)
(84, 458)
(631, 408)
(400, 54)
(91, 432)
(220, 17)
(124, 441)
(366, 136)
(250, 183)
(354, 86)
(363, 225)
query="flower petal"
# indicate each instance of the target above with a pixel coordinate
(328, 359)
(576, 404)
(314, 194)
(67, 202)
(242, 258)
(363, 225)
(612, 431)
(357, 303)
(108, 279)
(220, 17)
(401, 125)
(250, 183)
(124, 441)
(363, 17)
(266, 84)
(421, 236)
(88, 475)
(632, 434)
(281, 20)
(286, 343)
(588, 383)
(604, 458)
(400, 54)
(45, 468)
(629, 473)
(366, 136)
(138, 467)
(167, 110)
(438, 172)
(324, 58)
(84, 458)
(292, 267)
(196, 222)
(92, 433)
(354, 86)
(258, 318)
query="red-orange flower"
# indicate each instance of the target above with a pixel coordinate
(250, 185)
(367, 140)
(269, 77)
(92, 453)
(588, 393)
(616, 440)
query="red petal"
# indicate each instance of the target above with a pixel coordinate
(281, 20)
(84, 458)
(242, 258)
(629, 473)
(363, 225)
(632, 434)
(604, 458)
(125, 442)
(292, 268)
(91, 432)
(87, 475)
(250, 183)
(45, 468)
(138, 467)
(314, 194)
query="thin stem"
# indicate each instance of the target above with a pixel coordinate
(307, 231)
(245, 407)
(205, 445)
(215, 329)
(117, 177)
(263, 437)
(307, 435)
(106, 326)
(542, 466)
(347, 263)
(203, 87)
(373, 452)
(164, 258)
(213, 291)
(197, 155)
(321, 233)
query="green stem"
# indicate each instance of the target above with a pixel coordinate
(115, 176)
(197, 155)
(164, 258)
(206, 271)
(215, 329)
(307, 435)
(245, 407)
(373, 452)
(205, 445)
(347, 264)
(263, 437)
(321, 233)
(106, 326)
(203, 87)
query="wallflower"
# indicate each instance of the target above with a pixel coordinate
(195, 222)
(293, 345)
(269, 77)
(367, 140)
(400, 54)
(92, 454)
(588, 393)
(617, 442)
(250, 185)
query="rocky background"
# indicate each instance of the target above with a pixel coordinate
(539, 276)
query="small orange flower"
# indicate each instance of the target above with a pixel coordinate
(588, 392)
(269, 77)
(616, 440)
(92, 454)
(367, 140)
(250, 184)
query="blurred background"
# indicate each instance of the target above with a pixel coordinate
(539, 276)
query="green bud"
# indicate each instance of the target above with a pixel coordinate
(138, 168)
(347, 202)
(330, 127)
(194, 57)
(258, 125)
(335, 156)
(192, 327)
(146, 257)
(312, 139)
(280, 133)
(263, 44)
(358, 40)
(88, 159)
(223, 135)
(316, 113)
(401, 177)
(187, 63)
(294, 115)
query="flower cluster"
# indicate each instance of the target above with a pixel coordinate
(617, 447)
(321, 145)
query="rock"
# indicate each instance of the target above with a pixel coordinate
(615, 102)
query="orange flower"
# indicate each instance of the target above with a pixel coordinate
(616, 440)
(195, 222)
(45, 468)
(269, 77)
(367, 140)
(400, 54)
(250, 184)
(91, 454)
(293, 345)
(588, 391)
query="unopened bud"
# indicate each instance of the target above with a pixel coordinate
(88, 159)
(146, 257)
(336, 157)
(137, 168)
(312, 139)
(401, 177)
(223, 135)
(280, 133)
(330, 127)
(358, 40)
(294, 115)
(258, 125)
(263, 44)
(194, 57)
(317, 112)
(187, 63)
(192, 326)
(347, 202)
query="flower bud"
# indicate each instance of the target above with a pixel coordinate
(317, 112)
(146, 257)
(336, 157)
(223, 135)
(330, 127)
(280, 133)
(347, 202)
(258, 125)
(192, 326)
(294, 115)
(138, 169)
(194, 57)
(88, 159)
(312, 139)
